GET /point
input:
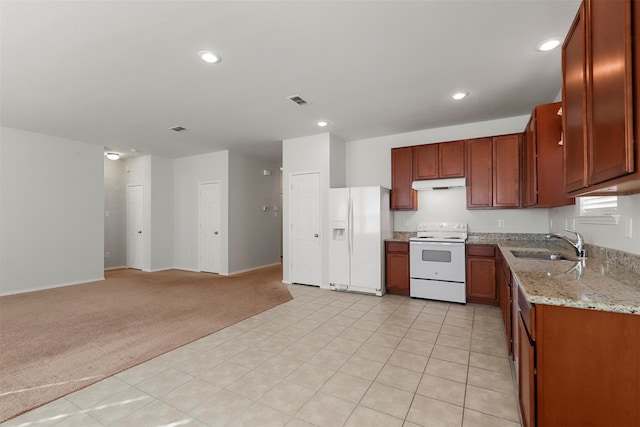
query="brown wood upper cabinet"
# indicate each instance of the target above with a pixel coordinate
(542, 159)
(403, 197)
(598, 61)
(493, 172)
(442, 160)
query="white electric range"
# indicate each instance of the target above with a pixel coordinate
(437, 262)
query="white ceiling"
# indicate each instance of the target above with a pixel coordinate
(119, 73)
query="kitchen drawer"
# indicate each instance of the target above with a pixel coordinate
(481, 250)
(528, 313)
(398, 247)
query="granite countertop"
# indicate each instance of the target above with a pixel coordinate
(593, 284)
(401, 236)
(397, 239)
(598, 283)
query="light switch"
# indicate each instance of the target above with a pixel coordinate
(628, 228)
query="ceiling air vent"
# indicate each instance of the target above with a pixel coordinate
(298, 99)
(178, 128)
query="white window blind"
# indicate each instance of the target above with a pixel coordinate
(598, 210)
(599, 205)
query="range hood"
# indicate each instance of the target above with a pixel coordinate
(438, 184)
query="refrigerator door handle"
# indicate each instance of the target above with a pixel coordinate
(350, 232)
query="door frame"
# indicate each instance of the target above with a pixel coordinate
(200, 222)
(320, 225)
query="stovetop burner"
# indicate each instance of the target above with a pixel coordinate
(441, 231)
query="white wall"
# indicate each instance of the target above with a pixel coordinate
(51, 211)
(255, 232)
(609, 236)
(189, 172)
(337, 162)
(369, 163)
(162, 222)
(304, 155)
(451, 205)
(115, 203)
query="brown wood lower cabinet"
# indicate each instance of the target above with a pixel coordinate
(526, 375)
(505, 281)
(481, 274)
(397, 270)
(578, 367)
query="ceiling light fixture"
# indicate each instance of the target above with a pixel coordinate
(459, 95)
(113, 155)
(209, 56)
(549, 44)
(323, 123)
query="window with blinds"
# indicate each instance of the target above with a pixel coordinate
(599, 209)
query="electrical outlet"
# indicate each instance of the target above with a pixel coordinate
(628, 229)
(550, 224)
(501, 223)
(107, 254)
(406, 222)
(106, 213)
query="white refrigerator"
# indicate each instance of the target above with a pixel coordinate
(360, 220)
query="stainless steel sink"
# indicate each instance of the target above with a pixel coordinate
(547, 256)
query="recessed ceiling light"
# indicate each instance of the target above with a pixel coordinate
(209, 56)
(113, 155)
(549, 44)
(323, 123)
(459, 95)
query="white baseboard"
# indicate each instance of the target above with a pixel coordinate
(57, 285)
(161, 269)
(115, 268)
(253, 268)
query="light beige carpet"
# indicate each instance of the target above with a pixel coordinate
(56, 341)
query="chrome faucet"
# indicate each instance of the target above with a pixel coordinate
(578, 244)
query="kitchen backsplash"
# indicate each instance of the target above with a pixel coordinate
(625, 260)
(505, 236)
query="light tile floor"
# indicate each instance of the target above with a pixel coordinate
(323, 359)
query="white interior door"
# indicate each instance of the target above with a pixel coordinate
(134, 226)
(209, 227)
(305, 229)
